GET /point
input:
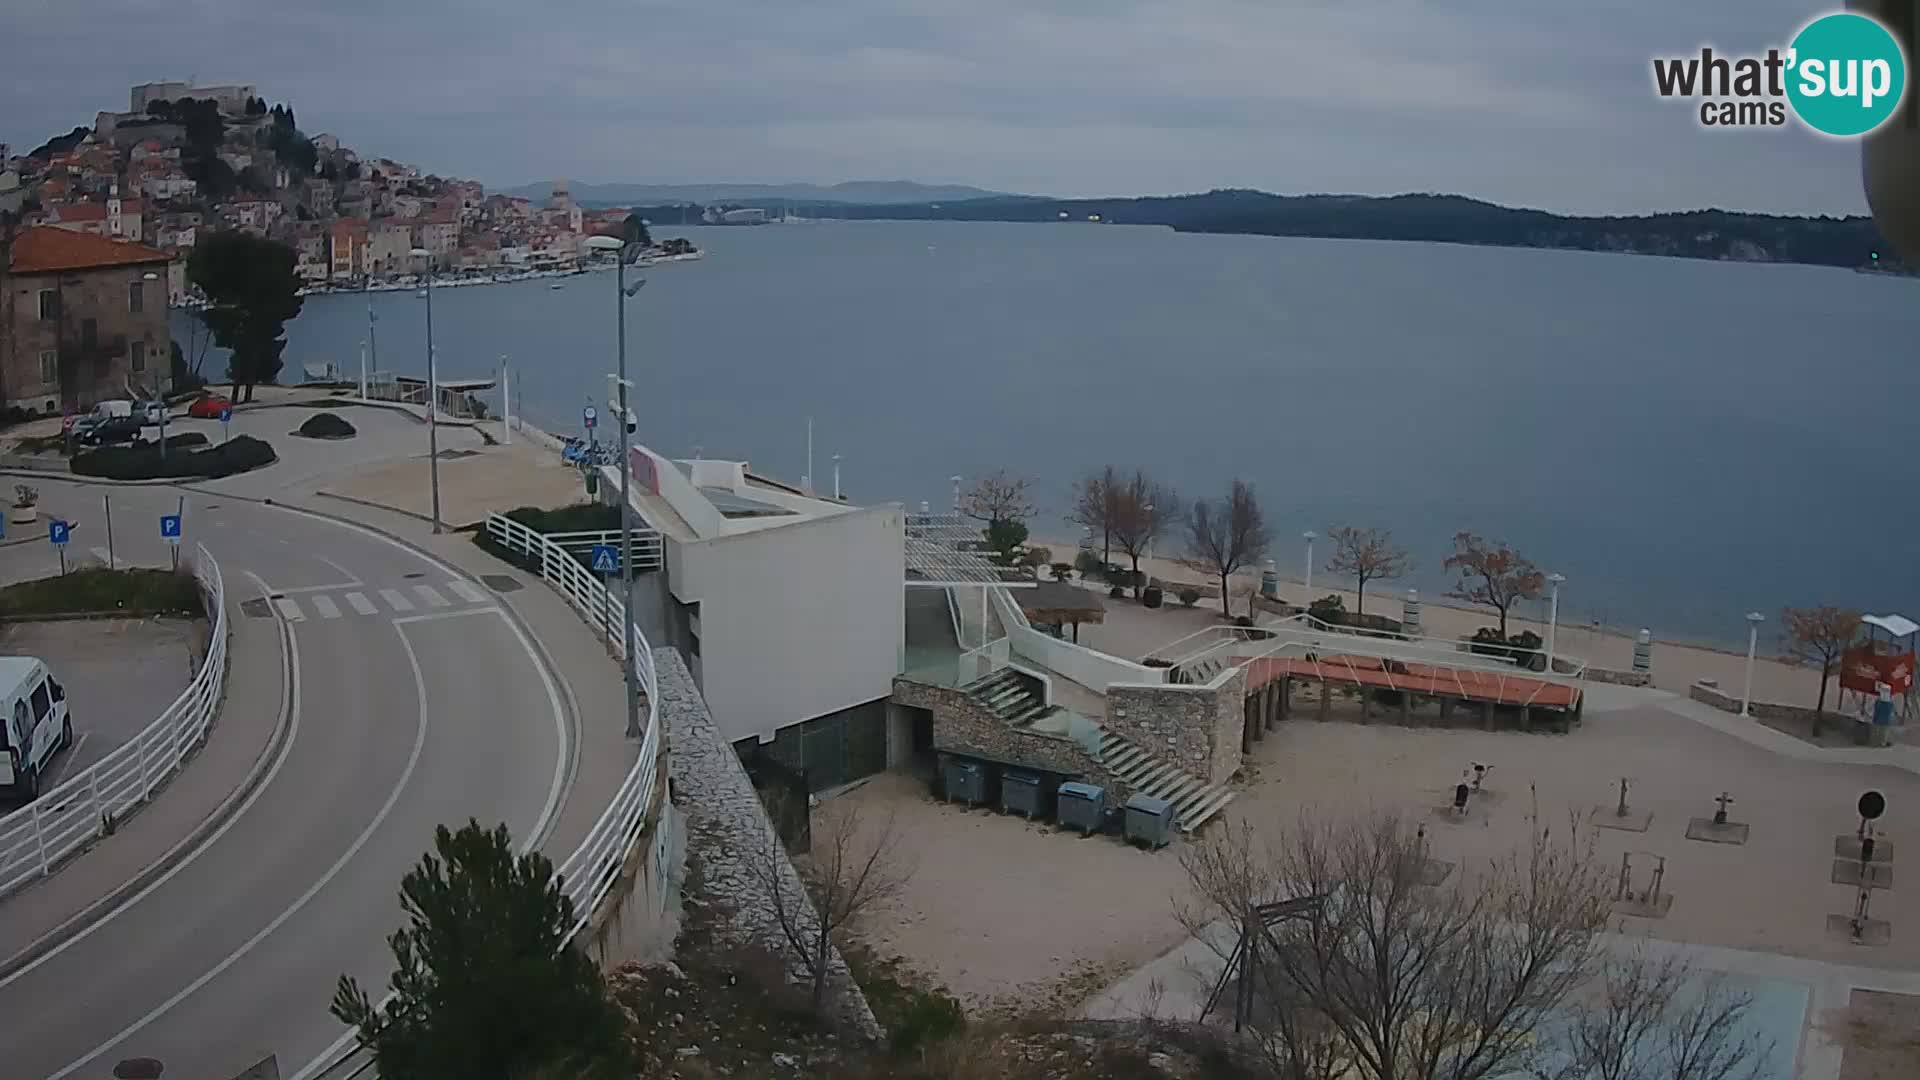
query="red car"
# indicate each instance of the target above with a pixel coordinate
(209, 407)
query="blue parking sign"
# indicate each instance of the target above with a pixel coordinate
(170, 528)
(226, 414)
(58, 532)
(606, 559)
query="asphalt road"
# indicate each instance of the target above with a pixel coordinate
(415, 702)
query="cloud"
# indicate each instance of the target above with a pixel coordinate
(1494, 98)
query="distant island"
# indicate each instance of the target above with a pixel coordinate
(1851, 242)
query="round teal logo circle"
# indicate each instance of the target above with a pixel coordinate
(1846, 74)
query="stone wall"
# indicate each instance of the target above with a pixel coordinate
(639, 920)
(1708, 692)
(728, 826)
(1620, 678)
(1195, 728)
(962, 725)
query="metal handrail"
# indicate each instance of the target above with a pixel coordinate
(590, 872)
(96, 799)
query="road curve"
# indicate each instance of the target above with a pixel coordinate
(414, 701)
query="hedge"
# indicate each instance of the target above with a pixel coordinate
(145, 462)
(326, 425)
(97, 589)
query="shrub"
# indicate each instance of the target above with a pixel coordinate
(929, 1017)
(26, 495)
(326, 425)
(1154, 661)
(1061, 570)
(1152, 596)
(144, 461)
(97, 589)
(1087, 563)
(1189, 595)
(1329, 609)
(1521, 648)
(1118, 592)
(186, 439)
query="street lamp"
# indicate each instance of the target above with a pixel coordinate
(1309, 536)
(621, 293)
(956, 493)
(1754, 619)
(433, 395)
(1553, 615)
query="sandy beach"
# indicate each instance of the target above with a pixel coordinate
(1675, 666)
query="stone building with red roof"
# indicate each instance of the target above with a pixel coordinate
(83, 318)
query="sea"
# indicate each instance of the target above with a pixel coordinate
(1685, 441)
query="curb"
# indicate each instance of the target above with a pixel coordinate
(88, 916)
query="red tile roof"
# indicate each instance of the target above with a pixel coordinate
(86, 211)
(47, 249)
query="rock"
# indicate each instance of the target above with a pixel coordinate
(1160, 1061)
(673, 969)
(786, 1061)
(688, 1051)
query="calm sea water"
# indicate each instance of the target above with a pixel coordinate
(1684, 440)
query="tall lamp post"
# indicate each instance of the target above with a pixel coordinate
(1309, 536)
(1553, 615)
(622, 292)
(433, 396)
(1754, 619)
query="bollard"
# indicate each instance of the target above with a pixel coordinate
(1643, 651)
(1410, 612)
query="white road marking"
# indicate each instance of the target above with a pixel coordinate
(393, 797)
(290, 658)
(73, 754)
(396, 601)
(289, 609)
(466, 591)
(361, 605)
(432, 596)
(324, 604)
(344, 572)
(335, 587)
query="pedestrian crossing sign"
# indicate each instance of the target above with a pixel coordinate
(605, 559)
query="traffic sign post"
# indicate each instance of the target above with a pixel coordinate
(605, 561)
(226, 415)
(59, 532)
(170, 532)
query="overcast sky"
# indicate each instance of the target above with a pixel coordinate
(1517, 101)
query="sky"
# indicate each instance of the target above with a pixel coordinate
(1519, 102)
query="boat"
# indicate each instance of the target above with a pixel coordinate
(421, 293)
(556, 286)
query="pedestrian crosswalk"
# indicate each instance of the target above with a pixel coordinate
(359, 602)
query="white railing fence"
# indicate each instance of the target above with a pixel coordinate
(589, 874)
(648, 551)
(95, 800)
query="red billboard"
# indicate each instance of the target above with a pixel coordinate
(1863, 669)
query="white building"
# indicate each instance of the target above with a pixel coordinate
(786, 605)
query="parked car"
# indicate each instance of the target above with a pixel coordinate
(120, 429)
(34, 724)
(209, 407)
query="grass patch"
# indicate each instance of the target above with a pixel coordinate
(580, 517)
(915, 1013)
(97, 589)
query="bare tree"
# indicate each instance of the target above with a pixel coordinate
(851, 869)
(1366, 555)
(1493, 574)
(1141, 511)
(1094, 498)
(1819, 635)
(1385, 977)
(1651, 1015)
(1224, 535)
(997, 498)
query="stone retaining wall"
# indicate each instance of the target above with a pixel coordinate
(1708, 692)
(1195, 728)
(962, 725)
(1620, 678)
(728, 826)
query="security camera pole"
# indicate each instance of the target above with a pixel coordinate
(621, 386)
(433, 396)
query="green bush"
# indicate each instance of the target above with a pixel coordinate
(186, 439)
(1087, 563)
(1521, 648)
(97, 589)
(144, 461)
(326, 425)
(1189, 595)
(1061, 570)
(1329, 609)
(929, 1017)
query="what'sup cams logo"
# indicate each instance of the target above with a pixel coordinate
(1844, 75)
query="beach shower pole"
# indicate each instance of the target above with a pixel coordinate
(433, 396)
(1553, 615)
(956, 494)
(1309, 537)
(506, 402)
(1754, 619)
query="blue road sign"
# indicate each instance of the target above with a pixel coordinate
(170, 528)
(58, 532)
(589, 417)
(226, 414)
(606, 559)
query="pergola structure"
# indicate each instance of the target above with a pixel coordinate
(943, 552)
(1056, 603)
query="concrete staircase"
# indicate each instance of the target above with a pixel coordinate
(1194, 800)
(1011, 696)
(1199, 671)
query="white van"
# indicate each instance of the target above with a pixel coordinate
(34, 724)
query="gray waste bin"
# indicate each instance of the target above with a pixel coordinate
(1082, 806)
(1025, 793)
(968, 782)
(1149, 821)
